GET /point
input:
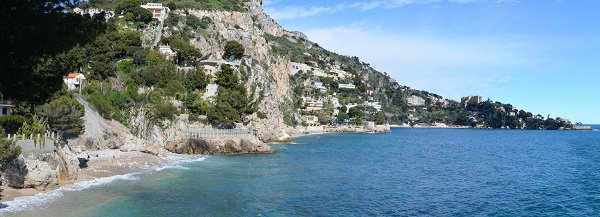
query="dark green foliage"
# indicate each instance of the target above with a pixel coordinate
(33, 32)
(111, 104)
(109, 47)
(164, 111)
(196, 80)
(133, 11)
(11, 123)
(8, 149)
(193, 21)
(185, 51)
(231, 102)
(64, 114)
(233, 50)
(154, 74)
(196, 105)
(220, 5)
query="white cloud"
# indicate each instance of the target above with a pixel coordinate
(448, 66)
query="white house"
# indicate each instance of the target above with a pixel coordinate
(347, 86)
(311, 120)
(415, 101)
(157, 10)
(319, 85)
(211, 92)
(167, 52)
(375, 105)
(93, 11)
(74, 80)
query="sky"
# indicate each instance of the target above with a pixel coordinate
(542, 56)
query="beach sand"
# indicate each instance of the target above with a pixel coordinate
(103, 163)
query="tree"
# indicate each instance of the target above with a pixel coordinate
(185, 51)
(196, 80)
(234, 50)
(8, 149)
(133, 11)
(231, 102)
(64, 114)
(33, 31)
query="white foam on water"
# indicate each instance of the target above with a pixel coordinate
(22, 203)
(173, 161)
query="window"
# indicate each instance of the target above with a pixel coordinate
(4, 111)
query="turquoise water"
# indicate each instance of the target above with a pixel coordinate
(432, 172)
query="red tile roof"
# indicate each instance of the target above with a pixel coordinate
(72, 75)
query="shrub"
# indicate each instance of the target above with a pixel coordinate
(164, 111)
(233, 50)
(12, 123)
(64, 114)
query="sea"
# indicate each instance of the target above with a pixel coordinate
(407, 172)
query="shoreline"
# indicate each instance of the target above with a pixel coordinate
(108, 166)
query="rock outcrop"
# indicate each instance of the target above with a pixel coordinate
(41, 171)
(246, 145)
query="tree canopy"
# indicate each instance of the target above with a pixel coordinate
(34, 31)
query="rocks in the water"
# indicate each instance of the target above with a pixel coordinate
(246, 145)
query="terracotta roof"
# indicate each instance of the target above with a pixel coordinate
(72, 75)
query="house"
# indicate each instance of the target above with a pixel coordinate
(319, 85)
(312, 104)
(471, 100)
(415, 101)
(211, 92)
(311, 120)
(74, 80)
(6, 106)
(334, 101)
(93, 11)
(157, 10)
(167, 52)
(375, 105)
(347, 86)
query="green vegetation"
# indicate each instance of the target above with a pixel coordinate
(231, 103)
(29, 56)
(185, 51)
(64, 114)
(218, 5)
(133, 12)
(12, 123)
(233, 50)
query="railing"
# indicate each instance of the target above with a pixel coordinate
(215, 133)
(47, 135)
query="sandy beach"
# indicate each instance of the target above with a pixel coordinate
(103, 163)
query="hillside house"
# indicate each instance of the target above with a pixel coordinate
(74, 80)
(375, 105)
(211, 92)
(311, 120)
(166, 51)
(158, 11)
(6, 106)
(347, 86)
(471, 100)
(415, 101)
(312, 104)
(319, 85)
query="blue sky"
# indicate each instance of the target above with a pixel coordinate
(540, 55)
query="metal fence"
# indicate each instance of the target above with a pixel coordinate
(215, 133)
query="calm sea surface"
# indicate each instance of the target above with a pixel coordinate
(408, 172)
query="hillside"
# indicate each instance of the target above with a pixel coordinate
(288, 81)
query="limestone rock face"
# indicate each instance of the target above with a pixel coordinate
(219, 146)
(42, 171)
(267, 81)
